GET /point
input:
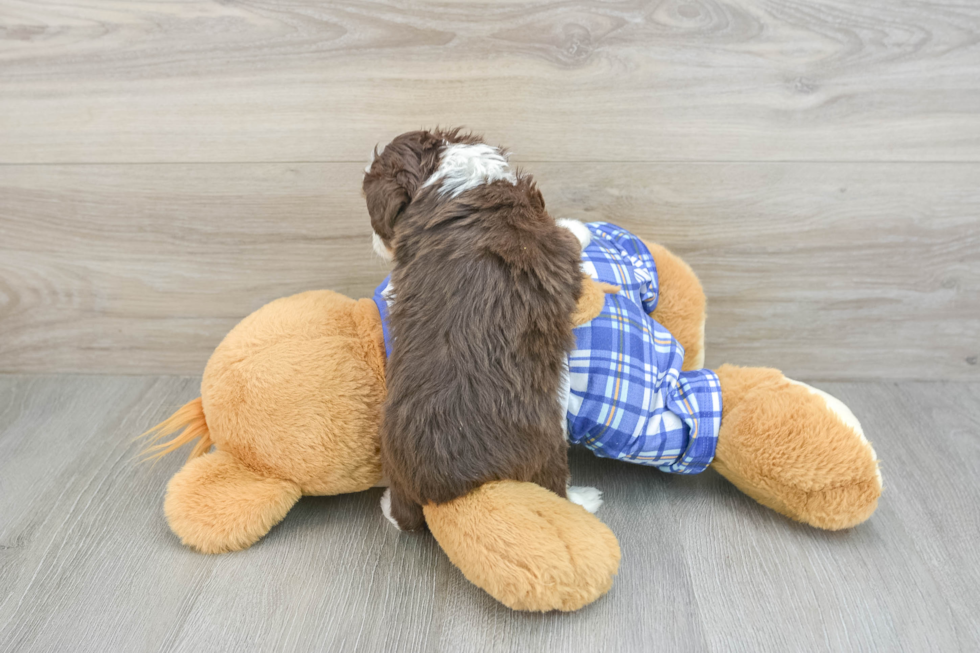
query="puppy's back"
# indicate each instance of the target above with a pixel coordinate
(485, 286)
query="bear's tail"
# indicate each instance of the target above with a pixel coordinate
(190, 418)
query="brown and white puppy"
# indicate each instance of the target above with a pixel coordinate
(485, 282)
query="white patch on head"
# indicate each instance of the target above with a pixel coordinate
(380, 249)
(386, 508)
(579, 230)
(464, 167)
(845, 415)
(589, 498)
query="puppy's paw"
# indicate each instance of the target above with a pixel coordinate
(578, 229)
(386, 508)
(589, 498)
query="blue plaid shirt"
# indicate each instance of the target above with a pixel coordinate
(627, 397)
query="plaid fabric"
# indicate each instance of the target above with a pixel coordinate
(627, 397)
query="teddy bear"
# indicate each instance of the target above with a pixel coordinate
(291, 403)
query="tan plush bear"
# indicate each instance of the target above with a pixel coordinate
(291, 401)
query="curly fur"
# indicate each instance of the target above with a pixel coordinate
(485, 283)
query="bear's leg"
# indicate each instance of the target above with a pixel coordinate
(526, 547)
(681, 305)
(215, 504)
(795, 449)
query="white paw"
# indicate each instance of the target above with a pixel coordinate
(589, 498)
(578, 229)
(386, 508)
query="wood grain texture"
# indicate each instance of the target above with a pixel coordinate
(828, 271)
(87, 562)
(300, 80)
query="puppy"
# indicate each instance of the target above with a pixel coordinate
(485, 282)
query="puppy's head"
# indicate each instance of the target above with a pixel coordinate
(448, 161)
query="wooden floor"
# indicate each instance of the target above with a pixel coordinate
(87, 562)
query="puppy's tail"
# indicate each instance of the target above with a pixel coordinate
(189, 419)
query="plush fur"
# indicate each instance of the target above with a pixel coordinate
(216, 504)
(264, 459)
(816, 468)
(283, 389)
(189, 419)
(485, 283)
(592, 300)
(301, 400)
(681, 306)
(527, 547)
(321, 355)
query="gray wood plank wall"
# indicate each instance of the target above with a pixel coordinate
(167, 168)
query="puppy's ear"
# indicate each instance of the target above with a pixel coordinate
(395, 175)
(534, 195)
(386, 200)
